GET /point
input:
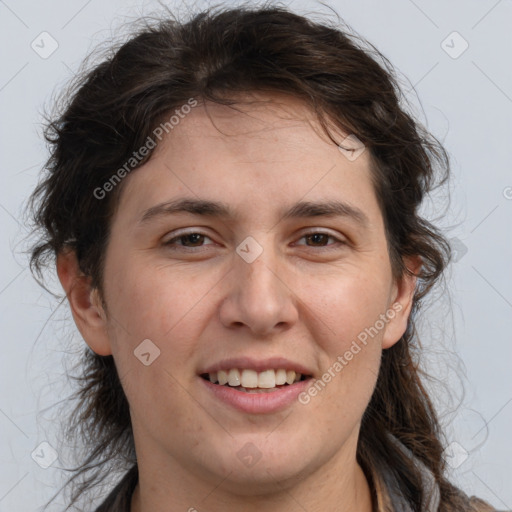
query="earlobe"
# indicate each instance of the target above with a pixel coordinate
(401, 302)
(88, 314)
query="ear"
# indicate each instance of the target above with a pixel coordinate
(401, 302)
(84, 302)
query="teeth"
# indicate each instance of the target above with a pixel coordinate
(280, 377)
(251, 379)
(267, 379)
(222, 376)
(234, 377)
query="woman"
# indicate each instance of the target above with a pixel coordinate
(233, 207)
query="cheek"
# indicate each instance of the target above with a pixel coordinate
(350, 357)
(349, 331)
(347, 305)
(152, 300)
(150, 304)
(147, 306)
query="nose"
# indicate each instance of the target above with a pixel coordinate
(259, 297)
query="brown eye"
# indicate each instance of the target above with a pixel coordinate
(191, 240)
(320, 239)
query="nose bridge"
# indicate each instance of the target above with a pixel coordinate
(259, 297)
(261, 281)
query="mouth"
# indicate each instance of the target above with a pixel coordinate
(253, 382)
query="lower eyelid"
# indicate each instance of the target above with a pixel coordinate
(174, 240)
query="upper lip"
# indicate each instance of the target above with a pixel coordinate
(258, 365)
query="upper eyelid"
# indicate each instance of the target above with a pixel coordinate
(318, 232)
(185, 233)
(310, 231)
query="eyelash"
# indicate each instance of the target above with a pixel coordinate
(171, 242)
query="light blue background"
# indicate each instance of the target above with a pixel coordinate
(466, 102)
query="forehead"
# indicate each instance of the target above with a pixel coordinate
(243, 128)
(271, 148)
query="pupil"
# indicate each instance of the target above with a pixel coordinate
(317, 237)
(193, 237)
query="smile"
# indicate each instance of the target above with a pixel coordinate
(255, 392)
(251, 381)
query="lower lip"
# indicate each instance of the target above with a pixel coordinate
(257, 403)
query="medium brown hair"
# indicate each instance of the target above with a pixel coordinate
(219, 55)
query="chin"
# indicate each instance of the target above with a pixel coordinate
(265, 479)
(248, 471)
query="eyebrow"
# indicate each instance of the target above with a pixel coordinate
(302, 209)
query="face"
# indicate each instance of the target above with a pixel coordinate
(263, 283)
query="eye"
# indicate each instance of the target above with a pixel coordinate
(196, 239)
(189, 240)
(320, 239)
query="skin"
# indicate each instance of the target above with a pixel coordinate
(303, 299)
